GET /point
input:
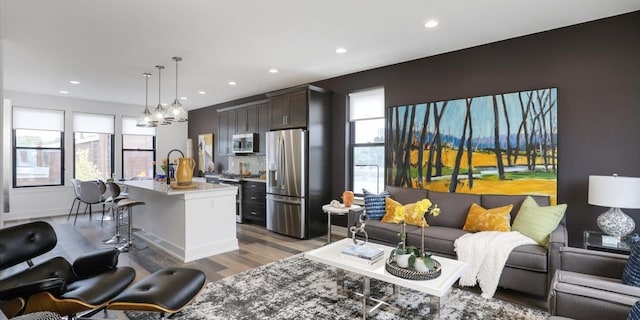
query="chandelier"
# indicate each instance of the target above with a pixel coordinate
(162, 115)
(144, 119)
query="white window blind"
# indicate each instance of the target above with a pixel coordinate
(367, 104)
(38, 119)
(91, 122)
(129, 127)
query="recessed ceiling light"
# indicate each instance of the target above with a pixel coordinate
(232, 83)
(202, 92)
(64, 92)
(341, 50)
(183, 98)
(273, 70)
(164, 104)
(74, 82)
(431, 24)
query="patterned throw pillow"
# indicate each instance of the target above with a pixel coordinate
(631, 273)
(495, 219)
(538, 222)
(634, 314)
(374, 203)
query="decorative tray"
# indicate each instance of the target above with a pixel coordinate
(190, 186)
(413, 274)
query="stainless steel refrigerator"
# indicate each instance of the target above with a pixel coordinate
(286, 182)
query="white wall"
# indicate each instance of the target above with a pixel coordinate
(48, 201)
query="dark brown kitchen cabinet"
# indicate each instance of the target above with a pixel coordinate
(263, 126)
(254, 202)
(224, 139)
(288, 110)
(246, 118)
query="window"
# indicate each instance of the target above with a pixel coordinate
(38, 147)
(138, 149)
(93, 146)
(366, 117)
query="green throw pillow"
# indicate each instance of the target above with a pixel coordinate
(538, 222)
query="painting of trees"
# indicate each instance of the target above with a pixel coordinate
(502, 143)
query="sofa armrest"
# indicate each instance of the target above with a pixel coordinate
(584, 296)
(558, 239)
(96, 262)
(597, 263)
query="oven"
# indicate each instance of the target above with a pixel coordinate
(230, 182)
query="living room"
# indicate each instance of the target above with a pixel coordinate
(593, 65)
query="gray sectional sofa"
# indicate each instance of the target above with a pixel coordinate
(529, 268)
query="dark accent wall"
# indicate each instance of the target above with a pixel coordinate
(595, 66)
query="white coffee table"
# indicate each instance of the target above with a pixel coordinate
(436, 288)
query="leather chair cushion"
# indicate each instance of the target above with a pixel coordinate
(24, 242)
(53, 268)
(101, 288)
(167, 290)
(96, 262)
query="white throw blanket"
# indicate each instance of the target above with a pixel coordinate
(486, 254)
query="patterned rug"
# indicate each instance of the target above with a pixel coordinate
(296, 288)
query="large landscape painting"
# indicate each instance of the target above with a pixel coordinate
(500, 144)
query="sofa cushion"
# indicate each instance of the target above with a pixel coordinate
(499, 200)
(529, 257)
(538, 222)
(406, 195)
(453, 208)
(438, 240)
(494, 219)
(374, 204)
(386, 232)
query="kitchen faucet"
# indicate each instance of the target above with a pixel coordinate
(169, 163)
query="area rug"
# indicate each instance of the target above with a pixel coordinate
(296, 288)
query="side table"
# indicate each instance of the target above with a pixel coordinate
(338, 211)
(593, 241)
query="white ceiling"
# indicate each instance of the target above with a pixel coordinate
(107, 45)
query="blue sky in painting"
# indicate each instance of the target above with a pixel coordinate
(481, 114)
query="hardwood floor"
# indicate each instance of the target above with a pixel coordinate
(258, 246)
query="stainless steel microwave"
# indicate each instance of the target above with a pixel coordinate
(244, 143)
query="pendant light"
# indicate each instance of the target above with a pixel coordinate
(146, 116)
(159, 112)
(176, 111)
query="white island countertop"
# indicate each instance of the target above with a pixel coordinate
(163, 187)
(188, 224)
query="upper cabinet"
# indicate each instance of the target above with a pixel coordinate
(288, 110)
(245, 118)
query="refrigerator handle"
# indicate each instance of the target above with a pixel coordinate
(281, 160)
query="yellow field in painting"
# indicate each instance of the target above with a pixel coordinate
(479, 159)
(523, 186)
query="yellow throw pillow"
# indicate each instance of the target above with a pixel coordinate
(494, 219)
(390, 207)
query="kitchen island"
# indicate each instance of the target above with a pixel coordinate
(187, 223)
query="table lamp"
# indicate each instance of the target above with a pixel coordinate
(615, 192)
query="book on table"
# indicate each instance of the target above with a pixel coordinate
(362, 253)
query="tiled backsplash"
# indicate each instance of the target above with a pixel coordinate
(255, 164)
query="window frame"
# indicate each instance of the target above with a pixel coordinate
(15, 158)
(111, 156)
(352, 138)
(153, 152)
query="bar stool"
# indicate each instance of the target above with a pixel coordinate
(128, 204)
(116, 196)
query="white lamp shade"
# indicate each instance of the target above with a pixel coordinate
(614, 191)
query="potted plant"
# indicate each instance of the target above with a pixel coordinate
(412, 257)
